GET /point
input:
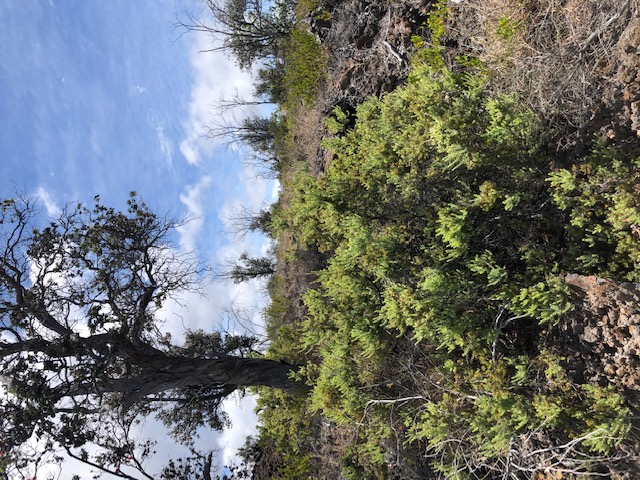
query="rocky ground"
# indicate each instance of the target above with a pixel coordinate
(368, 43)
(601, 344)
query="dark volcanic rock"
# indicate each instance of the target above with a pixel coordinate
(369, 43)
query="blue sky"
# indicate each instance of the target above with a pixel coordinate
(106, 97)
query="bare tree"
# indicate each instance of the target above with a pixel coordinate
(260, 135)
(256, 132)
(222, 106)
(245, 221)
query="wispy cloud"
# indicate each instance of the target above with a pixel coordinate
(42, 194)
(215, 77)
(193, 201)
(166, 146)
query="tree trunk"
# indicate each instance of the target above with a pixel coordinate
(160, 373)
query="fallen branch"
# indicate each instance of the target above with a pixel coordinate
(393, 51)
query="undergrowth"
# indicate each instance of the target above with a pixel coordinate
(446, 224)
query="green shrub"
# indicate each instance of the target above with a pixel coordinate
(599, 196)
(304, 64)
(444, 224)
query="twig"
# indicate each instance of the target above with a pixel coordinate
(396, 400)
(393, 51)
(604, 26)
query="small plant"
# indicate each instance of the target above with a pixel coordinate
(304, 63)
(507, 28)
(337, 123)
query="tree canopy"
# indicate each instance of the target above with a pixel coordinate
(82, 352)
(249, 29)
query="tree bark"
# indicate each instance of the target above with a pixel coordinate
(160, 373)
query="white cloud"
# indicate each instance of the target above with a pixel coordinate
(190, 153)
(139, 89)
(193, 311)
(215, 77)
(243, 418)
(256, 189)
(252, 193)
(193, 201)
(53, 210)
(276, 188)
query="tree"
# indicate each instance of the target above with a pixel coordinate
(256, 132)
(248, 268)
(270, 81)
(248, 29)
(223, 105)
(245, 221)
(81, 352)
(260, 134)
(197, 466)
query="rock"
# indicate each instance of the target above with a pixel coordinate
(369, 44)
(635, 117)
(604, 330)
(592, 334)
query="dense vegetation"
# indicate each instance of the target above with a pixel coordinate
(443, 229)
(448, 230)
(421, 324)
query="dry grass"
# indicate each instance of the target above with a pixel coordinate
(330, 446)
(554, 53)
(309, 132)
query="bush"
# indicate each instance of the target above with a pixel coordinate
(444, 222)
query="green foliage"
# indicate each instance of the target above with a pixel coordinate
(507, 28)
(429, 48)
(445, 228)
(304, 62)
(314, 8)
(496, 420)
(599, 197)
(547, 301)
(443, 222)
(435, 21)
(285, 431)
(338, 122)
(269, 82)
(248, 268)
(605, 418)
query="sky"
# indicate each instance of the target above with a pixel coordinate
(107, 97)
